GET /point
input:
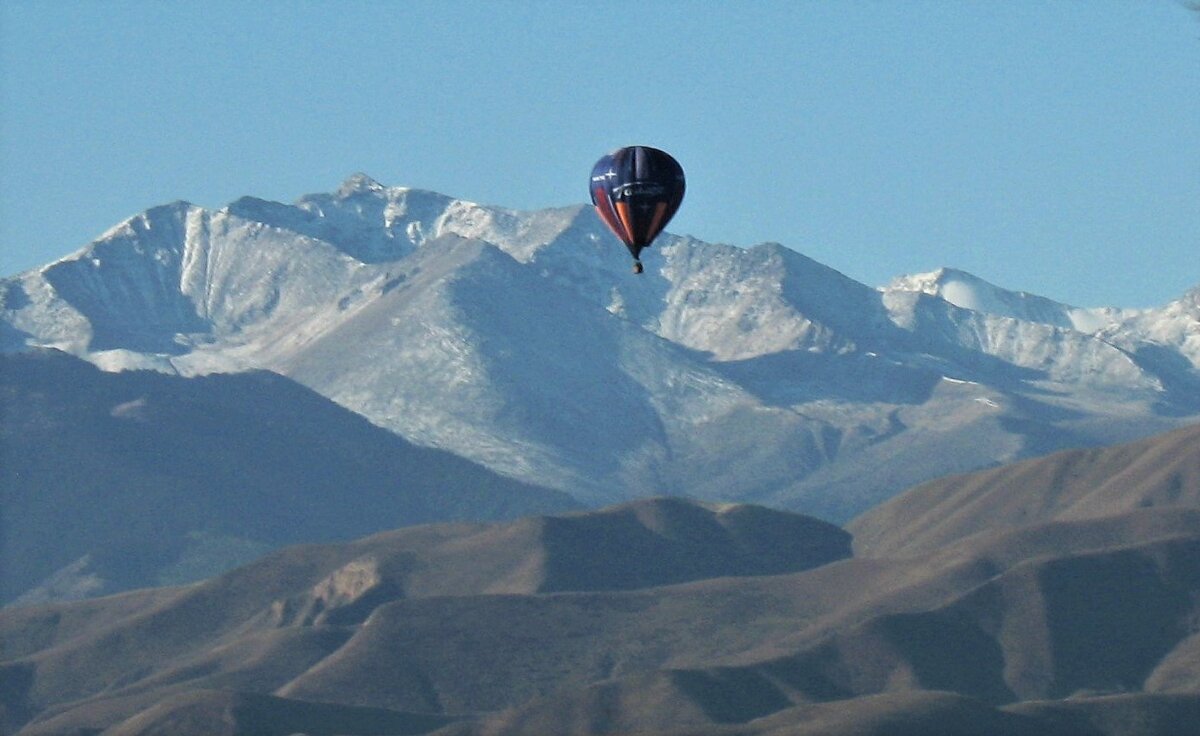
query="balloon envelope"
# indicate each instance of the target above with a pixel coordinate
(636, 191)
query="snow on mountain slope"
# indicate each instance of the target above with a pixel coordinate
(1158, 348)
(738, 304)
(971, 292)
(1044, 351)
(475, 353)
(522, 341)
(1174, 327)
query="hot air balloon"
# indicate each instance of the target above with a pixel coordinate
(636, 191)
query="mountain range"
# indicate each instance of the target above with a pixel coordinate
(520, 341)
(668, 616)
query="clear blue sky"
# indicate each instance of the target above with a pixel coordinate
(1052, 147)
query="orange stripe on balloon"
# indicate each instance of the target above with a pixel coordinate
(605, 208)
(623, 212)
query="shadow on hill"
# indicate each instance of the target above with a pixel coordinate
(666, 541)
(797, 376)
(143, 467)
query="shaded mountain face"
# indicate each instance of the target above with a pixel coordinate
(662, 616)
(520, 341)
(110, 481)
(1159, 472)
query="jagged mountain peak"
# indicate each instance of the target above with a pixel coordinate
(937, 277)
(359, 183)
(1188, 302)
(153, 223)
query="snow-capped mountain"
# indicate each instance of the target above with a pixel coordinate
(971, 292)
(520, 340)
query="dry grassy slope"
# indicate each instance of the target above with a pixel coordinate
(227, 632)
(224, 713)
(1078, 484)
(1048, 627)
(669, 704)
(136, 635)
(549, 620)
(670, 707)
(1179, 671)
(845, 629)
(1119, 715)
(951, 621)
(1051, 628)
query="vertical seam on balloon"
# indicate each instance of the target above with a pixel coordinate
(660, 209)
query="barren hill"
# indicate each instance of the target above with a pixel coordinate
(1159, 472)
(656, 615)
